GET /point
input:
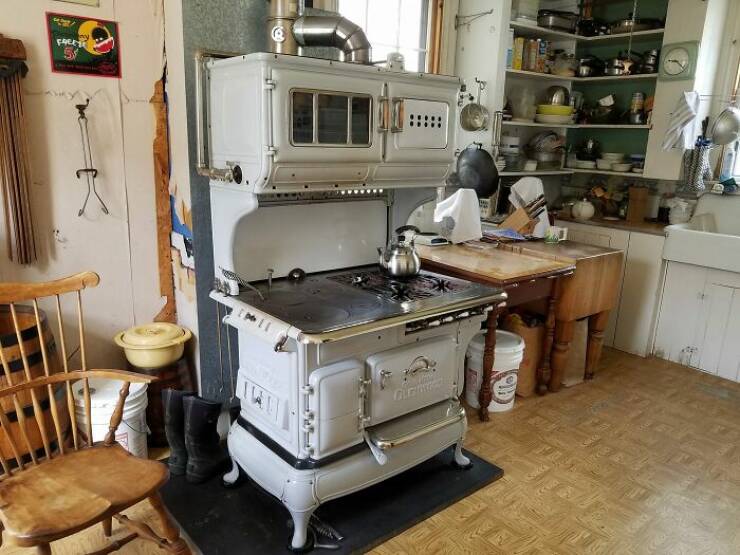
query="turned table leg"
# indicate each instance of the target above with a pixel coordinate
(563, 337)
(489, 349)
(543, 370)
(596, 326)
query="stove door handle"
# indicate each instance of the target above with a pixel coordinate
(420, 364)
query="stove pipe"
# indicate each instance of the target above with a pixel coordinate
(286, 31)
(283, 14)
(336, 31)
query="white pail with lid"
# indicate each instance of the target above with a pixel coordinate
(507, 358)
(132, 431)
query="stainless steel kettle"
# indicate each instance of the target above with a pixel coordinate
(400, 259)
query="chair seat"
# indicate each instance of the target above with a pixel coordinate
(74, 491)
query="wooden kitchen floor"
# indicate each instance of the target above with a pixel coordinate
(644, 459)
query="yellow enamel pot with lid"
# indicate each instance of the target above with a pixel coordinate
(153, 345)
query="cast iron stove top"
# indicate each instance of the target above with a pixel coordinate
(329, 301)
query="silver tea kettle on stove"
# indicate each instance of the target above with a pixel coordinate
(400, 259)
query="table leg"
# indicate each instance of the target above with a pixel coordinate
(563, 337)
(489, 349)
(543, 372)
(596, 326)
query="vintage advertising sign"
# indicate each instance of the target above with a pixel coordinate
(83, 45)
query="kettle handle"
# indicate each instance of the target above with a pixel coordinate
(403, 228)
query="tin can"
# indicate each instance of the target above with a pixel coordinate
(637, 104)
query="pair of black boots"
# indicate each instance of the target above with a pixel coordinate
(190, 426)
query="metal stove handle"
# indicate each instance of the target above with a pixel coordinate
(420, 364)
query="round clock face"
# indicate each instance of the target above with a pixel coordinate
(676, 61)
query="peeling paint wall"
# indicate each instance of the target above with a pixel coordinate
(121, 247)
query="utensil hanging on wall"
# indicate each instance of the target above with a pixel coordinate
(474, 116)
(15, 164)
(88, 171)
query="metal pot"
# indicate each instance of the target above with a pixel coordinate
(557, 95)
(400, 259)
(585, 71)
(556, 19)
(634, 25)
(474, 116)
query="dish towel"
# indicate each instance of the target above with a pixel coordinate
(525, 191)
(459, 216)
(680, 133)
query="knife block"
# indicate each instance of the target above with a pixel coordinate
(519, 221)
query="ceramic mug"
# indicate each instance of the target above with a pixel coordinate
(556, 234)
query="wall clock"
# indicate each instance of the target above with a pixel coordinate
(678, 61)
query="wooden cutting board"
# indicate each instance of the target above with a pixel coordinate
(485, 260)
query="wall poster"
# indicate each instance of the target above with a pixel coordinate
(83, 45)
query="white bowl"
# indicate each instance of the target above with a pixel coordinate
(603, 164)
(613, 156)
(585, 164)
(625, 167)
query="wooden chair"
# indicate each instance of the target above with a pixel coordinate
(74, 483)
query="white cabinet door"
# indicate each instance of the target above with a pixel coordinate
(680, 312)
(601, 237)
(643, 277)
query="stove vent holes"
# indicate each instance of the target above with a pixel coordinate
(425, 120)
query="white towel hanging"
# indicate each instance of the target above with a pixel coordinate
(680, 133)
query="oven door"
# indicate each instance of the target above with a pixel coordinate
(422, 123)
(320, 118)
(411, 377)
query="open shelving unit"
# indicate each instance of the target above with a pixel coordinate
(512, 123)
(614, 137)
(530, 30)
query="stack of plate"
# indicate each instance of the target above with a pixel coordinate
(552, 114)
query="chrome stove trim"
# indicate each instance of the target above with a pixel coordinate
(410, 427)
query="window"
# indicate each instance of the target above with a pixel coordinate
(392, 26)
(330, 118)
(736, 146)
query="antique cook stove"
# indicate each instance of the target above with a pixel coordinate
(345, 376)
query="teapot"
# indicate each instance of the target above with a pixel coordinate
(400, 259)
(583, 210)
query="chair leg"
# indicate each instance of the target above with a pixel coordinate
(171, 531)
(108, 527)
(44, 549)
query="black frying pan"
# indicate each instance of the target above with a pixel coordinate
(476, 170)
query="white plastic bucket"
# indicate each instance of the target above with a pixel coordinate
(132, 431)
(508, 357)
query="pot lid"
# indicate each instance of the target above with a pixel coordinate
(155, 334)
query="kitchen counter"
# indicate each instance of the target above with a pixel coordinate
(651, 228)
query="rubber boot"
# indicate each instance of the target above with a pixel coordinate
(174, 429)
(206, 457)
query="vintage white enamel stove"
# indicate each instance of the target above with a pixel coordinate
(345, 376)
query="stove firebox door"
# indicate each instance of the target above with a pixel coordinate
(332, 421)
(411, 377)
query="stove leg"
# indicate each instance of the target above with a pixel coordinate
(461, 460)
(231, 478)
(300, 540)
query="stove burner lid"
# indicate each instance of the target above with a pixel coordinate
(414, 288)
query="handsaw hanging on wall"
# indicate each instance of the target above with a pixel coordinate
(15, 168)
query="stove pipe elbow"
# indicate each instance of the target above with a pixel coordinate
(335, 31)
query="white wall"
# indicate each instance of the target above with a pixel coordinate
(121, 247)
(687, 20)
